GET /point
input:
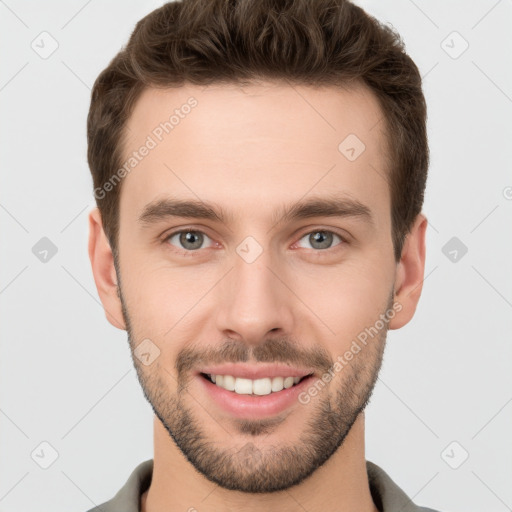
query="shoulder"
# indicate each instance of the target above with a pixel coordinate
(386, 493)
(127, 498)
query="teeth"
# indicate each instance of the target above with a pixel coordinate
(243, 386)
(260, 387)
(277, 383)
(228, 382)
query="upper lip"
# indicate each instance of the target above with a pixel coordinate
(251, 371)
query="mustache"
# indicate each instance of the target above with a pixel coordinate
(273, 350)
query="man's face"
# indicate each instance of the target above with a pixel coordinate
(257, 287)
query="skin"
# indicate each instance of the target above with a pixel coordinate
(252, 150)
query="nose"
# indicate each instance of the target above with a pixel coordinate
(254, 300)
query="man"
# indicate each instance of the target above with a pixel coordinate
(259, 170)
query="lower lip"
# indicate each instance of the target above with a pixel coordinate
(254, 406)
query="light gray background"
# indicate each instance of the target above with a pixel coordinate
(66, 376)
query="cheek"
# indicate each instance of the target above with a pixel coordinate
(347, 299)
(162, 301)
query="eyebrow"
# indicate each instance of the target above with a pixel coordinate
(166, 208)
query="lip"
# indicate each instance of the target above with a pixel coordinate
(248, 371)
(254, 406)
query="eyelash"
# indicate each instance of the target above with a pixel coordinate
(329, 250)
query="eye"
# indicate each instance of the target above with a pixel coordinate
(188, 239)
(191, 240)
(321, 239)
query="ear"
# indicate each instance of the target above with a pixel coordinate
(104, 271)
(410, 273)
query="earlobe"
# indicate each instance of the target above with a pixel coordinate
(410, 274)
(104, 272)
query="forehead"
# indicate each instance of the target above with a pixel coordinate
(261, 144)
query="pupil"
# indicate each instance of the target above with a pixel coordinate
(323, 238)
(188, 238)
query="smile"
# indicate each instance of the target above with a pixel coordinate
(260, 387)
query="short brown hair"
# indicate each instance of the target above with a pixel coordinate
(304, 42)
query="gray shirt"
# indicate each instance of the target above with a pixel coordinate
(387, 496)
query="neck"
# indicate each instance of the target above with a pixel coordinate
(341, 484)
